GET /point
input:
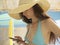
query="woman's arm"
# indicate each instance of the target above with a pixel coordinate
(52, 26)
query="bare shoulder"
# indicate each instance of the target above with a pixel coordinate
(52, 26)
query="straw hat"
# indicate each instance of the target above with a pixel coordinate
(27, 4)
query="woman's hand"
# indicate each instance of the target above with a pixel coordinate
(19, 40)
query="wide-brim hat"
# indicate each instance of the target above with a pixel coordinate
(27, 4)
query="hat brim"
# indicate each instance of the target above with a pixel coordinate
(14, 13)
(15, 16)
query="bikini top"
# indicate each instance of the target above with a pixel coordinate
(38, 37)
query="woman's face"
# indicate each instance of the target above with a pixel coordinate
(29, 16)
(29, 13)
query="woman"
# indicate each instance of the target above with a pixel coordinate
(41, 28)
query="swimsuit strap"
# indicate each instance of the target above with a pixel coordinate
(38, 38)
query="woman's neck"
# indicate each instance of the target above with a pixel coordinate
(35, 20)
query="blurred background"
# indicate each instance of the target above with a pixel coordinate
(12, 27)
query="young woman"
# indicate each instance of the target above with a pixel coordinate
(42, 30)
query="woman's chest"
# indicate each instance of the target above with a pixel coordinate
(34, 32)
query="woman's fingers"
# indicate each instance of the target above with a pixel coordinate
(18, 37)
(19, 40)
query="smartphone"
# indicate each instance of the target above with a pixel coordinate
(14, 39)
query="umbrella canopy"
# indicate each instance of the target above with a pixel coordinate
(8, 4)
(55, 5)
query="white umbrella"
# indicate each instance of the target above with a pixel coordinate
(55, 5)
(11, 4)
(8, 4)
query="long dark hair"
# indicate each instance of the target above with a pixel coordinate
(40, 14)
